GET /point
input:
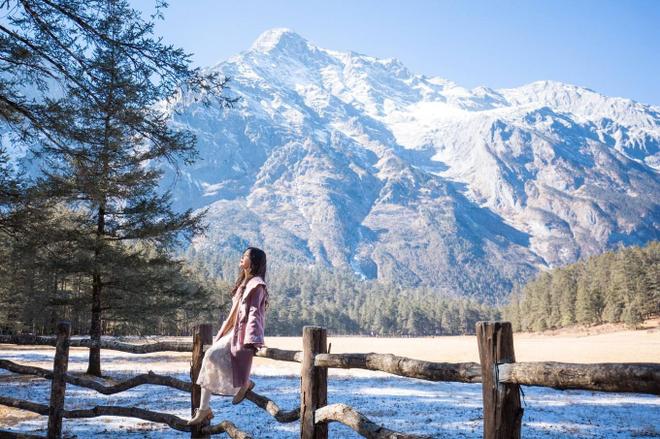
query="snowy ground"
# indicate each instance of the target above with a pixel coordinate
(444, 410)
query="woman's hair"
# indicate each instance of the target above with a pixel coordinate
(257, 267)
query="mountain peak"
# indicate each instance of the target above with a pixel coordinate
(278, 37)
(349, 161)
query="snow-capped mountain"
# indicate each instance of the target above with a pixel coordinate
(354, 162)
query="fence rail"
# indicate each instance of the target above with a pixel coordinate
(147, 348)
(127, 412)
(497, 370)
(603, 377)
(403, 366)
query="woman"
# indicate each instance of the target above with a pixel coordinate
(227, 363)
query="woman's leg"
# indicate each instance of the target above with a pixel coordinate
(205, 399)
(204, 411)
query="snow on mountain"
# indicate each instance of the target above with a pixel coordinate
(354, 162)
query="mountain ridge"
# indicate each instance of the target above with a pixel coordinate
(352, 162)
(348, 161)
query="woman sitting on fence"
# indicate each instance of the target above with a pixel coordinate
(227, 363)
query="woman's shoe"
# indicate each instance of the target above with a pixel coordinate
(201, 415)
(240, 395)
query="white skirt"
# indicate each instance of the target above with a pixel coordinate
(216, 373)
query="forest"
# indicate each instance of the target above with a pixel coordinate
(614, 287)
(347, 304)
(171, 302)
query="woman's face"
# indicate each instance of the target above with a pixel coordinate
(245, 261)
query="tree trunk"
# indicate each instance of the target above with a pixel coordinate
(58, 383)
(94, 366)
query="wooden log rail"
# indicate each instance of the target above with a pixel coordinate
(350, 417)
(280, 354)
(403, 366)
(317, 419)
(603, 377)
(282, 416)
(147, 348)
(101, 385)
(127, 412)
(4, 434)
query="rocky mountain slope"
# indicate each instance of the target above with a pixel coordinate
(353, 162)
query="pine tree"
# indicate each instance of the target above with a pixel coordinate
(585, 309)
(651, 295)
(617, 289)
(102, 143)
(511, 312)
(565, 284)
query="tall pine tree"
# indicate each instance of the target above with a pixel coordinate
(102, 134)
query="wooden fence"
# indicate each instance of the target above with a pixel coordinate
(498, 372)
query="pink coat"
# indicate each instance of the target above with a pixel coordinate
(247, 318)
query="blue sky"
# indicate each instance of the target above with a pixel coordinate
(610, 46)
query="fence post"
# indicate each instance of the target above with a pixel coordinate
(58, 384)
(502, 411)
(313, 383)
(202, 334)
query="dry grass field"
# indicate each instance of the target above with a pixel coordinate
(597, 344)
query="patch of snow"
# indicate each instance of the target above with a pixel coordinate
(443, 410)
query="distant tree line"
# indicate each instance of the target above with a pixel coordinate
(620, 286)
(346, 304)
